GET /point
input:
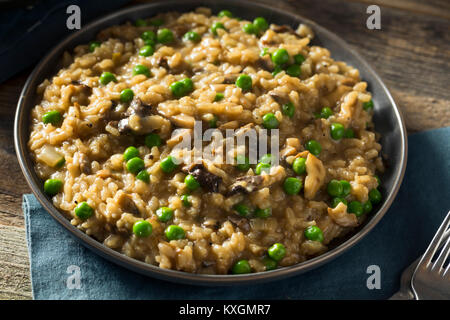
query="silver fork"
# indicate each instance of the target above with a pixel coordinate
(431, 280)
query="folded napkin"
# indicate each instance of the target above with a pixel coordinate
(28, 33)
(400, 237)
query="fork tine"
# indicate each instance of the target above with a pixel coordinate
(439, 263)
(434, 245)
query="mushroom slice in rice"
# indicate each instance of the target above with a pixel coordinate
(206, 179)
(315, 176)
(341, 217)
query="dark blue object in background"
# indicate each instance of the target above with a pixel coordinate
(28, 33)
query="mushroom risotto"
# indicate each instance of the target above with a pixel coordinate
(105, 132)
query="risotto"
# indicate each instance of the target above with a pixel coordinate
(106, 132)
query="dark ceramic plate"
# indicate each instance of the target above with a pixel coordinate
(387, 118)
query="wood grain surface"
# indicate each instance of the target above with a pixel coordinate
(411, 53)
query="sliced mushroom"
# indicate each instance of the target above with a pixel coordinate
(230, 78)
(239, 222)
(139, 108)
(315, 176)
(248, 184)
(206, 179)
(264, 63)
(85, 165)
(245, 184)
(284, 29)
(280, 98)
(126, 203)
(341, 217)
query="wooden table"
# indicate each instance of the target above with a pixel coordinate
(411, 53)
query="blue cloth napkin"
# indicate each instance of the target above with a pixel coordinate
(27, 34)
(400, 237)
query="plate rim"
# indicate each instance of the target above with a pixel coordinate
(180, 276)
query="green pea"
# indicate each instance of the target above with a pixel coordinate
(355, 207)
(106, 78)
(182, 87)
(250, 28)
(368, 105)
(264, 52)
(52, 186)
(146, 51)
(215, 26)
(294, 70)
(299, 166)
(263, 213)
(244, 82)
(276, 70)
(346, 188)
(241, 267)
(267, 158)
(143, 176)
(314, 147)
(142, 228)
(185, 200)
(219, 96)
(243, 162)
(192, 36)
(213, 122)
(164, 214)
(277, 251)
(270, 121)
(367, 207)
(314, 233)
(149, 35)
(54, 117)
(375, 196)
(156, 22)
(168, 165)
(292, 185)
(140, 69)
(280, 57)
(269, 264)
(262, 167)
(60, 163)
(164, 36)
(335, 188)
(126, 95)
(261, 23)
(349, 133)
(225, 13)
(299, 58)
(288, 109)
(174, 232)
(83, 210)
(152, 140)
(130, 153)
(337, 131)
(191, 183)
(242, 209)
(188, 85)
(326, 113)
(337, 200)
(378, 180)
(177, 89)
(93, 45)
(134, 165)
(140, 23)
